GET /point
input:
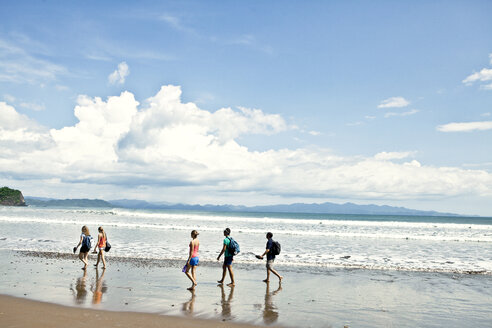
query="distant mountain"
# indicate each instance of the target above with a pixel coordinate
(48, 202)
(323, 208)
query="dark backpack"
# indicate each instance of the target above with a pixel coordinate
(233, 246)
(87, 242)
(275, 248)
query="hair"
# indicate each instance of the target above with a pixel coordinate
(100, 229)
(269, 235)
(227, 231)
(194, 233)
(85, 230)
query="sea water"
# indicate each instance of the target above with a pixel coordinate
(309, 241)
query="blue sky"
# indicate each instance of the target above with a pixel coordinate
(264, 102)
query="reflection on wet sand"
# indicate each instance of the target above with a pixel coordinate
(270, 313)
(226, 303)
(80, 290)
(189, 306)
(100, 287)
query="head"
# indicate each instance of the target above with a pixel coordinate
(85, 231)
(100, 229)
(194, 234)
(269, 235)
(227, 232)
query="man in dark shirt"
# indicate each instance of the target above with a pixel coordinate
(270, 258)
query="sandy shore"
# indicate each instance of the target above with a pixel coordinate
(19, 313)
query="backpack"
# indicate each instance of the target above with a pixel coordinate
(275, 248)
(233, 246)
(87, 241)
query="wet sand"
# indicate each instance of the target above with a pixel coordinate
(306, 298)
(24, 313)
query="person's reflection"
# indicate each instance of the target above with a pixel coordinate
(100, 287)
(188, 306)
(80, 291)
(226, 302)
(270, 314)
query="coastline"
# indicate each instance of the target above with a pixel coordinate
(26, 313)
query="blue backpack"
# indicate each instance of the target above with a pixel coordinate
(233, 246)
(87, 241)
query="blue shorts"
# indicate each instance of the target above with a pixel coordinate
(194, 261)
(228, 260)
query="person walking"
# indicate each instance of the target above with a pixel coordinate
(101, 245)
(228, 258)
(193, 259)
(85, 241)
(270, 258)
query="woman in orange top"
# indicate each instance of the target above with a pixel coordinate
(192, 259)
(101, 244)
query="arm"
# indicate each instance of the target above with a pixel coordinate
(222, 252)
(265, 253)
(190, 253)
(95, 247)
(80, 242)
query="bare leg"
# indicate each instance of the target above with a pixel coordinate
(101, 252)
(221, 281)
(276, 273)
(82, 258)
(268, 276)
(193, 273)
(98, 258)
(190, 277)
(231, 274)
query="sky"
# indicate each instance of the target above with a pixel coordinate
(249, 102)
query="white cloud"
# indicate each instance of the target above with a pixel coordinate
(314, 133)
(179, 149)
(119, 75)
(32, 106)
(394, 102)
(485, 114)
(465, 127)
(484, 75)
(384, 156)
(410, 112)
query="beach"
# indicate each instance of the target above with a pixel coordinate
(338, 270)
(337, 298)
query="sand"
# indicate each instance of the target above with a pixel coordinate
(19, 313)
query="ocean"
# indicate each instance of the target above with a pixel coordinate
(309, 241)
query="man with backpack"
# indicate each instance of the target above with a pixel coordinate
(272, 249)
(229, 249)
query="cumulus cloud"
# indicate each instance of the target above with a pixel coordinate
(394, 102)
(176, 147)
(410, 112)
(465, 127)
(119, 75)
(484, 75)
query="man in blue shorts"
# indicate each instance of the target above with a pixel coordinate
(228, 258)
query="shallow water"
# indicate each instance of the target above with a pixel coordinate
(328, 298)
(435, 244)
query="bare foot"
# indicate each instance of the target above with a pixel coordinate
(266, 280)
(220, 282)
(231, 284)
